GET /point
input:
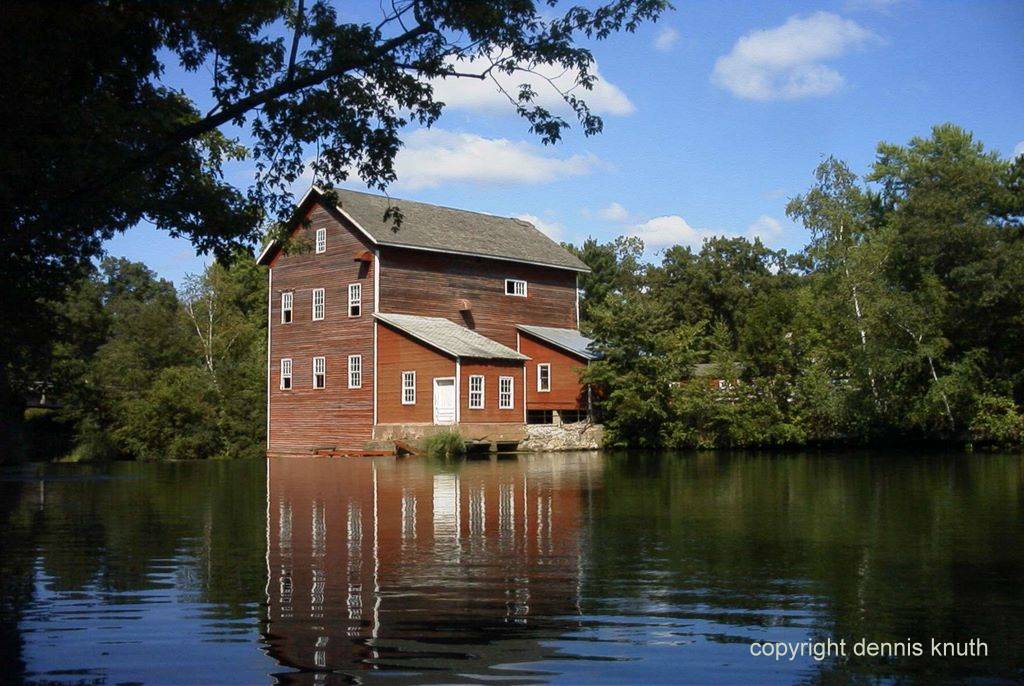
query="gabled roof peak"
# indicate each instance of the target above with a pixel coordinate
(436, 228)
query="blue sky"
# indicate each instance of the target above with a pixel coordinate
(713, 117)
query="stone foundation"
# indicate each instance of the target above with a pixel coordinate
(549, 437)
(416, 434)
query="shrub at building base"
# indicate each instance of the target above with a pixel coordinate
(446, 446)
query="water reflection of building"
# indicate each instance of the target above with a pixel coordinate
(398, 565)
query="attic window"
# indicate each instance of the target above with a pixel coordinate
(321, 240)
(516, 287)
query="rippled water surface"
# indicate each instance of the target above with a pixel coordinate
(579, 568)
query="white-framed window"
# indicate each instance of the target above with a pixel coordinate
(506, 392)
(355, 371)
(321, 241)
(543, 377)
(408, 388)
(319, 372)
(515, 287)
(286, 374)
(355, 299)
(476, 392)
(318, 304)
(287, 299)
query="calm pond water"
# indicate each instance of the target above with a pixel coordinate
(579, 568)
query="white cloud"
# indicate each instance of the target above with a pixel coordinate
(613, 213)
(432, 157)
(1018, 150)
(765, 228)
(484, 95)
(669, 230)
(785, 62)
(552, 230)
(666, 39)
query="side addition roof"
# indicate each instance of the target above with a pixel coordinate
(449, 337)
(448, 230)
(567, 339)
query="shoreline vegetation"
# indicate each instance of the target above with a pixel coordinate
(900, 322)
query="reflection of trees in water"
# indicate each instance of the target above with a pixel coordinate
(15, 577)
(848, 546)
(484, 564)
(122, 528)
(422, 569)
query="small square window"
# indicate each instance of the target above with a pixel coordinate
(319, 372)
(516, 287)
(355, 299)
(286, 374)
(476, 392)
(355, 371)
(321, 240)
(543, 378)
(408, 388)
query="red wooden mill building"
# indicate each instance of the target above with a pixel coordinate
(455, 319)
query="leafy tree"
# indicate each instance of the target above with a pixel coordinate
(644, 355)
(97, 142)
(901, 319)
(837, 213)
(719, 281)
(144, 374)
(956, 213)
(600, 281)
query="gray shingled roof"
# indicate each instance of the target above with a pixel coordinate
(569, 339)
(451, 338)
(430, 227)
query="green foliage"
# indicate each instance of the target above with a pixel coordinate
(901, 319)
(143, 373)
(998, 423)
(99, 144)
(445, 445)
(643, 353)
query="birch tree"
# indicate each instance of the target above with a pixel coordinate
(835, 211)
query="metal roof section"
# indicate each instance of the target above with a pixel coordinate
(567, 339)
(449, 337)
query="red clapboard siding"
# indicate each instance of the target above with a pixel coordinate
(432, 285)
(490, 413)
(303, 418)
(566, 391)
(398, 353)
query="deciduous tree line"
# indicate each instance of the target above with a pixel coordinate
(139, 370)
(902, 318)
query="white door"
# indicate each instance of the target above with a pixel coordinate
(444, 401)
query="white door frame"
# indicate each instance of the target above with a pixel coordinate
(455, 397)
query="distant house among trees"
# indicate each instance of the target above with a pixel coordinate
(712, 374)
